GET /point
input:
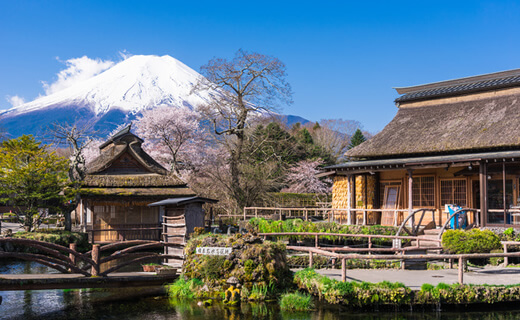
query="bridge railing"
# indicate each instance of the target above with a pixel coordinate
(68, 260)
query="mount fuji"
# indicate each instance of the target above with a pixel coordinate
(113, 97)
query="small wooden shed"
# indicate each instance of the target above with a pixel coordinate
(181, 217)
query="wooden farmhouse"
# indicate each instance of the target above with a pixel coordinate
(454, 142)
(119, 185)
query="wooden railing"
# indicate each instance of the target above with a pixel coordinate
(341, 216)
(396, 247)
(401, 257)
(67, 260)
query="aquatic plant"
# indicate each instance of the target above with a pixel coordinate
(184, 289)
(296, 301)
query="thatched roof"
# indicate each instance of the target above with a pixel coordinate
(124, 168)
(121, 143)
(129, 181)
(138, 192)
(465, 125)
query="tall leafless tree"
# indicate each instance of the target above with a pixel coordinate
(249, 84)
(76, 136)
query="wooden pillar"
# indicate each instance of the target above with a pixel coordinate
(483, 192)
(310, 259)
(72, 246)
(461, 271)
(506, 259)
(410, 195)
(343, 270)
(365, 200)
(83, 215)
(353, 200)
(95, 257)
(316, 242)
(504, 191)
(349, 199)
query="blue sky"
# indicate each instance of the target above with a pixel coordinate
(343, 57)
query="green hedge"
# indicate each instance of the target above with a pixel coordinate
(472, 241)
(261, 225)
(367, 295)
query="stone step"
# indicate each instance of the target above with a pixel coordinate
(432, 231)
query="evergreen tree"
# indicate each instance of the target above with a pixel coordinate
(32, 179)
(357, 139)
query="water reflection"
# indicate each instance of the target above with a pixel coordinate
(150, 303)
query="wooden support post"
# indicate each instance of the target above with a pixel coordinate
(316, 243)
(95, 257)
(506, 259)
(365, 201)
(349, 199)
(310, 259)
(72, 246)
(410, 196)
(461, 271)
(343, 270)
(245, 214)
(483, 192)
(451, 263)
(370, 242)
(504, 191)
(306, 215)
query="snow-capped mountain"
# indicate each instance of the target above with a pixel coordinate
(111, 97)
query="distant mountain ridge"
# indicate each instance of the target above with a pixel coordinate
(114, 96)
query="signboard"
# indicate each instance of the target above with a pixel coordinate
(213, 251)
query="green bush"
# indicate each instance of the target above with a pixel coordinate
(296, 301)
(472, 241)
(366, 294)
(184, 289)
(60, 237)
(261, 225)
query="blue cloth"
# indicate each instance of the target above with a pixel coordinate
(460, 220)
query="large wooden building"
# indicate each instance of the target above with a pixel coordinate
(120, 184)
(452, 142)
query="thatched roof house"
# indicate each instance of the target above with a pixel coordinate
(457, 126)
(119, 185)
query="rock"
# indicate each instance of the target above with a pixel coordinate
(7, 233)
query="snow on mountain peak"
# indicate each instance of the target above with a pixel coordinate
(132, 85)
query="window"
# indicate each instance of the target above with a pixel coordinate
(453, 191)
(382, 187)
(423, 192)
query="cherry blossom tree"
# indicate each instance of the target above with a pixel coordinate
(302, 178)
(170, 134)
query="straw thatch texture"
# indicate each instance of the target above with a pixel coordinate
(466, 126)
(138, 192)
(128, 181)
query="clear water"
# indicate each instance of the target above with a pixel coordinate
(150, 303)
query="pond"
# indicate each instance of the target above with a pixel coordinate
(151, 303)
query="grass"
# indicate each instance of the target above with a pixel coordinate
(296, 301)
(184, 289)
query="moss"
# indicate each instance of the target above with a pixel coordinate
(252, 261)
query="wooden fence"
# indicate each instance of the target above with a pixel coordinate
(341, 216)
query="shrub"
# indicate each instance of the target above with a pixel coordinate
(296, 301)
(61, 237)
(472, 241)
(184, 289)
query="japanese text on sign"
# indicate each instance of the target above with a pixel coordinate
(213, 251)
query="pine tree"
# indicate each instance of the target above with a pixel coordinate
(357, 139)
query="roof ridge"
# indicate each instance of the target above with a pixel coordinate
(458, 81)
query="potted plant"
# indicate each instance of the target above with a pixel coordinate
(150, 267)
